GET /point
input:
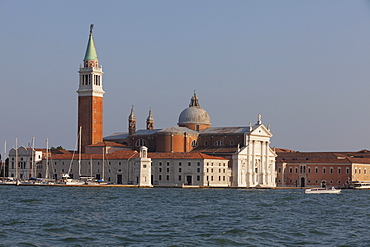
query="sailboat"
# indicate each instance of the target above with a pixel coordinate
(6, 180)
(66, 179)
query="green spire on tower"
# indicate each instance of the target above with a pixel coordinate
(91, 54)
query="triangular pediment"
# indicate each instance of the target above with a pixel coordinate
(260, 130)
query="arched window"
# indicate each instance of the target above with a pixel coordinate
(219, 143)
(140, 142)
(194, 143)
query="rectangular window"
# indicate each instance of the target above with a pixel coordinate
(290, 170)
(198, 164)
(198, 178)
(179, 163)
(189, 163)
(168, 169)
(160, 177)
(168, 177)
(180, 178)
(179, 169)
(198, 169)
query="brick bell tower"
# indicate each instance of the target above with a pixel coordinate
(90, 97)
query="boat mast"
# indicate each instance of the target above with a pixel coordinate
(79, 152)
(16, 158)
(103, 165)
(33, 155)
(4, 161)
(90, 166)
(47, 159)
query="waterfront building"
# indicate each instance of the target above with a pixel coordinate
(22, 162)
(144, 168)
(315, 169)
(251, 160)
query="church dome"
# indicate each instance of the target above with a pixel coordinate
(194, 114)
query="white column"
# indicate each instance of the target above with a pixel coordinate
(266, 163)
(253, 164)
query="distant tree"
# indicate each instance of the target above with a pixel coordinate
(58, 148)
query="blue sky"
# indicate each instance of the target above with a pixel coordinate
(304, 65)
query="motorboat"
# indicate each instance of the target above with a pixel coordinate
(322, 191)
(360, 185)
(69, 181)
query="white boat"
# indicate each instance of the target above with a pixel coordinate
(69, 181)
(322, 191)
(357, 185)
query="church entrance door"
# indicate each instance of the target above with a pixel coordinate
(119, 178)
(189, 180)
(303, 182)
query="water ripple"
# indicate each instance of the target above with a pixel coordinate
(55, 216)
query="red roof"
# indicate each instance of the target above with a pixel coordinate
(182, 156)
(362, 156)
(130, 154)
(107, 144)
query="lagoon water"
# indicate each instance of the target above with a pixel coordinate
(74, 216)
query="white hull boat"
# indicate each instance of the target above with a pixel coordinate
(322, 191)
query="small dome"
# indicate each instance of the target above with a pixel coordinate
(194, 115)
